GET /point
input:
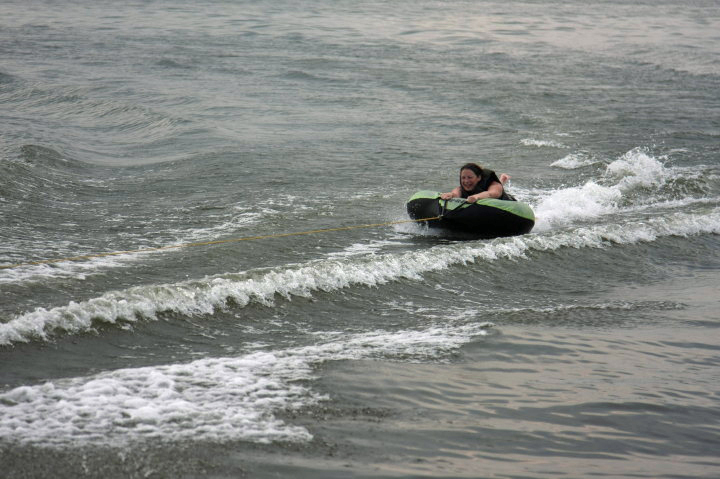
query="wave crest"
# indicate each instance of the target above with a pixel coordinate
(203, 297)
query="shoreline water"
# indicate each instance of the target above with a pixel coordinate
(477, 414)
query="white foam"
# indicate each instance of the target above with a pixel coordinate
(208, 399)
(362, 249)
(205, 399)
(542, 143)
(79, 270)
(567, 205)
(574, 161)
(638, 168)
(241, 220)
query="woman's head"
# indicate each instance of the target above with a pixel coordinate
(470, 175)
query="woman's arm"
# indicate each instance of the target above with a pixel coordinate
(455, 193)
(495, 191)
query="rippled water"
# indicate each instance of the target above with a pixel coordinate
(585, 348)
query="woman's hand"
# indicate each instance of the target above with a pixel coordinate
(446, 196)
(474, 198)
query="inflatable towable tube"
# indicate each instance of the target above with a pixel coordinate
(486, 218)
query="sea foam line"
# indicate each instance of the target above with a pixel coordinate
(203, 297)
(207, 399)
(539, 143)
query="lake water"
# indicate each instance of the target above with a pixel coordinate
(587, 348)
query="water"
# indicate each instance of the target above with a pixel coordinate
(586, 348)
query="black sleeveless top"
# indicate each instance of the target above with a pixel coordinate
(486, 179)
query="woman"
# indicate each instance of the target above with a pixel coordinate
(477, 183)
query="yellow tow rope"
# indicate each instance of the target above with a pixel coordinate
(208, 243)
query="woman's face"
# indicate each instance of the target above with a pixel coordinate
(468, 179)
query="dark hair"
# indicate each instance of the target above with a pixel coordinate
(474, 167)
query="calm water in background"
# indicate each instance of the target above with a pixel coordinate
(589, 347)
